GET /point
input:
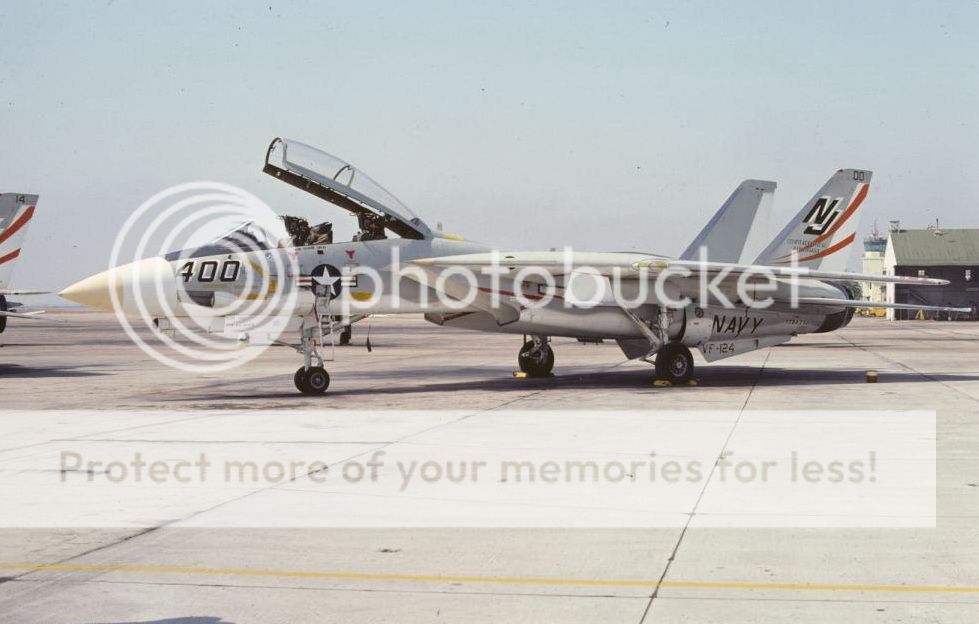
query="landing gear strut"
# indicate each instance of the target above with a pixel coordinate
(345, 335)
(674, 363)
(536, 357)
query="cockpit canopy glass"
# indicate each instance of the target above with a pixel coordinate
(339, 175)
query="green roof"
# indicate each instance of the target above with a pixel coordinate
(928, 248)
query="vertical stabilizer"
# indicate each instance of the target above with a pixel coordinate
(823, 232)
(736, 231)
(16, 211)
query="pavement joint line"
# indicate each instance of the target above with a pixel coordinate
(500, 580)
(696, 505)
(907, 367)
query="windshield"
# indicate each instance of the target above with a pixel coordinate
(244, 237)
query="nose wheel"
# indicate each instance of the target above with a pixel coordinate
(674, 363)
(312, 380)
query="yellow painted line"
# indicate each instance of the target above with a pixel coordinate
(951, 589)
(506, 580)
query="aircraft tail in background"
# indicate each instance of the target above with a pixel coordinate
(16, 212)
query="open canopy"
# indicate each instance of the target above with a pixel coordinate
(341, 184)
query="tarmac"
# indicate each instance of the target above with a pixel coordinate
(184, 574)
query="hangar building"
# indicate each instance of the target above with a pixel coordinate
(951, 254)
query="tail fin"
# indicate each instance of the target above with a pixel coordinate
(16, 210)
(824, 230)
(733, 233)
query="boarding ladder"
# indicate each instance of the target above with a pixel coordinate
(326, 324)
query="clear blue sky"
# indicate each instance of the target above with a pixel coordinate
(608, 126)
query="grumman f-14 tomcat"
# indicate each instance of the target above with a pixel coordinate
(721, 302)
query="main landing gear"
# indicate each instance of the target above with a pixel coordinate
(536, 357)
(674, 363)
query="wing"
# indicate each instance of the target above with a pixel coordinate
(635, 265)
(456, 286)
(801, 272)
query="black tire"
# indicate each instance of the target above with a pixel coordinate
(674, 363)
(316, 380)
(300, 379)
(3, 308)
(345, 335)
(540, 366)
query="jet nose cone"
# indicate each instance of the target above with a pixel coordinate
(146, 278)
(94, 291)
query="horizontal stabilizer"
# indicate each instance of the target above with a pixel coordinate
(855, 303)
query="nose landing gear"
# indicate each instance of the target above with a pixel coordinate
(312, 380)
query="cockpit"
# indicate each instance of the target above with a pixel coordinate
(341, 184)
(301, 234)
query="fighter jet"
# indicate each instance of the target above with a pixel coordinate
(16, 211)
(656, 308)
